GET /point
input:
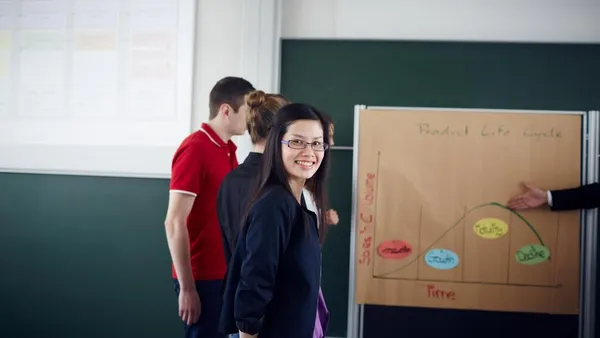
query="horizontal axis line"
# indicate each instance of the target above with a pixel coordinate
(462, 282)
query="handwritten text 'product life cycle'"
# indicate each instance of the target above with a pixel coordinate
(499, 130)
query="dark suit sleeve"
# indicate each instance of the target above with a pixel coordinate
(267, 237)
(583, 197)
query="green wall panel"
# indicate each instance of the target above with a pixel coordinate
(336, 75)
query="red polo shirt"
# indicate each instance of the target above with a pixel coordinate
(199, 166)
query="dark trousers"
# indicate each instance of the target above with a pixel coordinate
(210, 310)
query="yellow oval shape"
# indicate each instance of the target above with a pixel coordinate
(490, 228)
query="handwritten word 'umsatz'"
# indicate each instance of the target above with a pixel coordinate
(434, 292)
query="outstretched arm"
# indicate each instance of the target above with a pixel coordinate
(583, 197)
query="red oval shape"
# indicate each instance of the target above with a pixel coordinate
(394, 249)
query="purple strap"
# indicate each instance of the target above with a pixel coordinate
(322, 318)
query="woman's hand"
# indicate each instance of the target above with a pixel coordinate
(246, 335)
(331, 217)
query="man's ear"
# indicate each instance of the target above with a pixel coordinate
(225, 109)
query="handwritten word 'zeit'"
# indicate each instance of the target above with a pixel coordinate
(486, 131)
(433, 292)
(366, 220)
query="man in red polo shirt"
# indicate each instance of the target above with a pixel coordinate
(192, 226)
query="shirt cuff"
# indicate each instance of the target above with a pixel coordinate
(549, 194)
(250, 328)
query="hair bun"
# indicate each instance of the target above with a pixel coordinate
(256, 99)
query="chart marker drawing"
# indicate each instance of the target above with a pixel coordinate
(490, 228)
(431, 228)
(540, 247)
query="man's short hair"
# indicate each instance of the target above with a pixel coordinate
(229, 90)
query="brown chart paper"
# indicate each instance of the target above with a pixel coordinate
(432, 230)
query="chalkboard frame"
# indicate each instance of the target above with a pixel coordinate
(589, 218)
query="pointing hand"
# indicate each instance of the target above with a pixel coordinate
(532, 198)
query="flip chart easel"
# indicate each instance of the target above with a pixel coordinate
(429, 227)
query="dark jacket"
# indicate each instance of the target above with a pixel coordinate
(232, 200)
(273, 278)
(583, 197)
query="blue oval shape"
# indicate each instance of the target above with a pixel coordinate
(441, 259)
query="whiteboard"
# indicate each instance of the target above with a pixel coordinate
(95, 86)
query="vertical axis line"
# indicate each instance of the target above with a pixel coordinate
(554, 263)
(419, 237)
(377, 178)
(510, 232)
(464, 244)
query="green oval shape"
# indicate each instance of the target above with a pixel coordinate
(532, 254)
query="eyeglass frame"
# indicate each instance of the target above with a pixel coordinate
(312, 144)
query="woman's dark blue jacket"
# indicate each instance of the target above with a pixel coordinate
(273, 278)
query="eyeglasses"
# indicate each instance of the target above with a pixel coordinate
(299, 144)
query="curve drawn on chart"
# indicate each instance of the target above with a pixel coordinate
(457, 223)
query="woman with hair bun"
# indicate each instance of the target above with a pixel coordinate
(235, 190)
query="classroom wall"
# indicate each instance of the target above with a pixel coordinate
(90, 246)
(567, 21)
(494, 20)
(241, 37)
(233, 37)
(223, 51)
(218, 51)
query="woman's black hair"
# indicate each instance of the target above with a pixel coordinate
(272, 170)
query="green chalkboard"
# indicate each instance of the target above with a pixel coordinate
(85, 257)
(336, 75)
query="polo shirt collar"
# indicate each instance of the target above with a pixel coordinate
(216, 139)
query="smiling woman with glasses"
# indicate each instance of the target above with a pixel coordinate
(273, 284)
